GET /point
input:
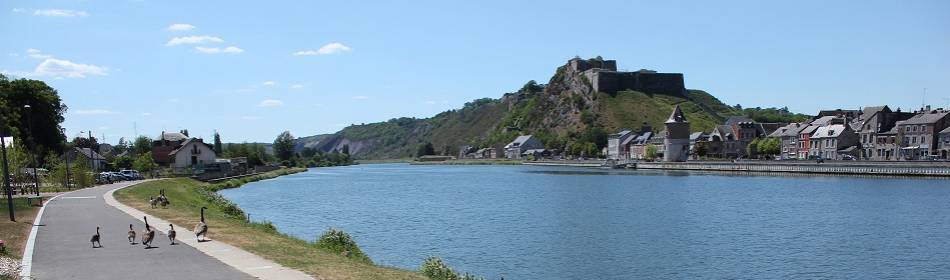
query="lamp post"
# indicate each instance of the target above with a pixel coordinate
(6, 170)
(66, 154)
(36, 178)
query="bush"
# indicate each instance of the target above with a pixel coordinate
(436, 269)
(340, 242)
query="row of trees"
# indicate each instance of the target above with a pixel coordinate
(285, 151)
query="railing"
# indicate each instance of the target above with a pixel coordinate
(891, 168)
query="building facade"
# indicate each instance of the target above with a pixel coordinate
(676, 140)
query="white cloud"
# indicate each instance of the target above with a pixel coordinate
(430, 102)
(19, 10)
(297, 86)
(331, 48)
(270, 103)
(250, 118)
(13, 54)
(269, 83)
(59, 13)
(34, 53)
(146, 114)
(230, 49)
(60, 68)
(94, 112)
(202, 39)
(360, 97)
(180, 27)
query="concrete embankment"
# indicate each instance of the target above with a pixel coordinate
(575, 163)
(856, 168)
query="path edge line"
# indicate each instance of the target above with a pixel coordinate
(26, 262)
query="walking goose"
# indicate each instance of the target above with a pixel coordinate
(131, 235)
(95, 239)
(153, 201)
(201, 229)
(171, 233)
(163, 200)
(148, 235)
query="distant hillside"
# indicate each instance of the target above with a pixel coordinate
(563, 113)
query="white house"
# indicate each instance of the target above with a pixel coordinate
(193, 153)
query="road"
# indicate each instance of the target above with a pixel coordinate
(63, 251)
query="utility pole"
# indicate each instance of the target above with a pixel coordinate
(66, 154)
(6, 171)
(92, 162)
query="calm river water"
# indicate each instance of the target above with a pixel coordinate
(525, 222)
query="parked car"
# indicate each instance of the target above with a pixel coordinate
(848, 157)
(131, 174)
(104, 178)
(117, 177)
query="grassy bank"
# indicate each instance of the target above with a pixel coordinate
(16, 233)
(227, 225)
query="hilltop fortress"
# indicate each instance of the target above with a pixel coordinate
(604, 77)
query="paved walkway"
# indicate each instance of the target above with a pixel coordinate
(62, 249)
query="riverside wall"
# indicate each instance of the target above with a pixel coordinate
(937, 169)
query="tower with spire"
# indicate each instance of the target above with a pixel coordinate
(677, 136)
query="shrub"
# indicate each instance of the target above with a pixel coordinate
(340, 242)
(436, 269)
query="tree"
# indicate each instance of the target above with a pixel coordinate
(308, 152)
(701, 148)
(284, 146)
(142, 145)
(123, 162)
(86, 142)
(185, 132)
(217, 143)
(425, 149)
(44, 115)
(145, 163)
(122, 146)
(649, 152)
(346, 149)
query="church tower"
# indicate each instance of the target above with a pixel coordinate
(677, 136)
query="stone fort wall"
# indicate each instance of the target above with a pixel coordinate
(604, 77)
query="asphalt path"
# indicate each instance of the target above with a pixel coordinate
(62, 249)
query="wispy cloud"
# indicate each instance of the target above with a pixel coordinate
(59, 13)
(215, 50)
(250, 118)
(34, 53)
(94, 112)
(296, 86)
(270, 103)
(360, 97)
(269, 83)
(180, 27)
(146, 114)
(202, 39)
(61, 68)
(331, 48)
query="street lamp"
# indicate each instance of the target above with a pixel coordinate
(66, 154)
(36, 180)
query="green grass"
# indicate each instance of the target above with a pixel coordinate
(16, 233)
(187, 196)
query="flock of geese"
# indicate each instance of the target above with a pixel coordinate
(201, 229)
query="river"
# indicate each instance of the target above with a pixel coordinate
(531, 222)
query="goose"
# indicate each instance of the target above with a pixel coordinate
(131, 235)
(148, 235)
(95, 239)
(153, 201)
(201, 229)
(171, 233)
(163, 200)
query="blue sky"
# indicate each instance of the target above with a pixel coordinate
(252, 70)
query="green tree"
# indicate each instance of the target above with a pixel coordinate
(122, 146)
(701, 148)
(86, 142)
(284, 146)
(185, 132)
(425, 149)
(649, 152)
(144, 163)
(346, 149)
(217, 143)
(123, 162)
(45, 113)
(142, 145)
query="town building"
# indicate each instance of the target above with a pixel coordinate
(873, 121)
(165, 144)
(676, 138)
(834, 142)
(192, 154)
(804, 141)
(516, 148)
(615, 144)
(918, 134)
(91, 158)
(789, 137)
(637, 146)
(944, 145)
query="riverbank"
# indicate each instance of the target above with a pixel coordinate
(933, 169)
(228, 224)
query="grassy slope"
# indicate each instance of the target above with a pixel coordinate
(16, 233)
(254, 238)
(629, 109)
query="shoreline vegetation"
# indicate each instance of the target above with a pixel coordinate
(332, 255)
